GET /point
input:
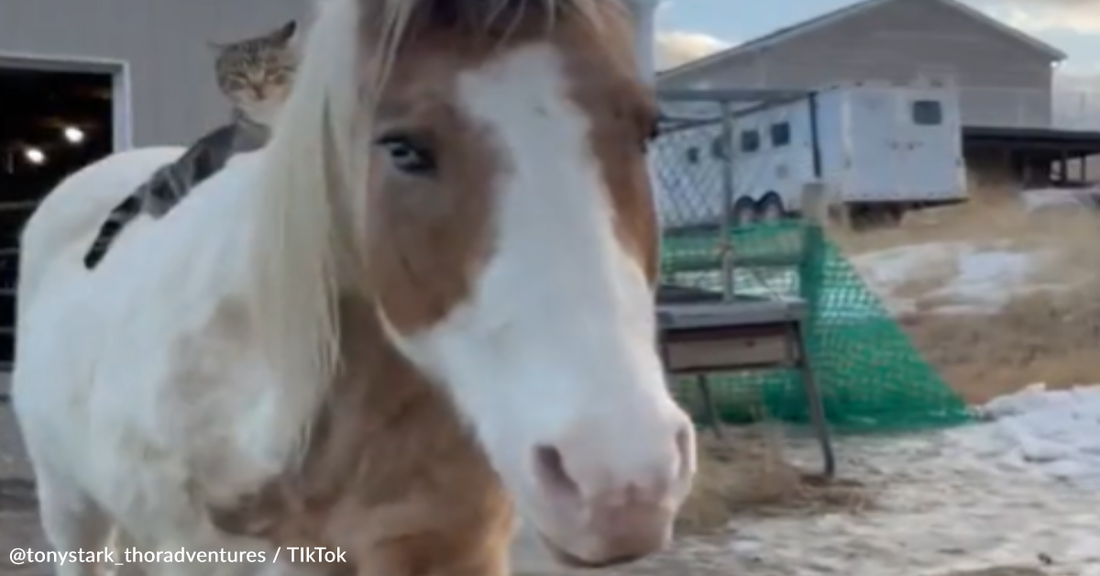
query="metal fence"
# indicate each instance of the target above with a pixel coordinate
(710, 161)
(711, 167)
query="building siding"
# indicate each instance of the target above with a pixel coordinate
(174, 97)
(1001, 81)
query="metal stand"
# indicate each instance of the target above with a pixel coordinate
(698, 339)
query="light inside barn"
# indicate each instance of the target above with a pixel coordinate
(35, 156)
(74, 135)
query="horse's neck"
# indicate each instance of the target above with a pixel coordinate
(388, 456)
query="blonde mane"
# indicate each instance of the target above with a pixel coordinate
(315, 169)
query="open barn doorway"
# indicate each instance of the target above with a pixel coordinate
(52, 122)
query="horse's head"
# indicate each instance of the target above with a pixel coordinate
(494, 197)
(512, 251)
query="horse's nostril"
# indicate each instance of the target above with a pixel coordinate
(551, 473)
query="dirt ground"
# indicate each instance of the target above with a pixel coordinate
(18, 520)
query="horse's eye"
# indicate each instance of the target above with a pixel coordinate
(408, 156)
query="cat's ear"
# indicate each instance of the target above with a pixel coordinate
(287, 33)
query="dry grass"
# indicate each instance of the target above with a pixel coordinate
(748, 473)
(1053, 339)
(1050, 337)
(991, 218)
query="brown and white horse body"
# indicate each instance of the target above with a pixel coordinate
(429, 296)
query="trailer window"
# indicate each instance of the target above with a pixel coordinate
(718, 148)
(781, 134)
(750, 141)
(927, 113)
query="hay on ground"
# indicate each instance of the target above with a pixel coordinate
(747, 473)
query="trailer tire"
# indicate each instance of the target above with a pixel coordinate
(878, 216)
(770, 209)
(744, 212)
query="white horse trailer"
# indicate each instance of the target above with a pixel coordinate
(879, 149)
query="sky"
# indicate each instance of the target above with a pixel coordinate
(693, 28)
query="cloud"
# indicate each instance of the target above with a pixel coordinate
(1081, 16)
(677, 47)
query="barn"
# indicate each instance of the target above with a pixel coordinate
(81, 78)
(1015, 127)
(1003, 75)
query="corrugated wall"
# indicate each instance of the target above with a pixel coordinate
(174, 96)
(1001, 81)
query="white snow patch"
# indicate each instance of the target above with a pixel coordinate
(988, 280)
(964, 278)
(891, 268)
(1066, 198)
(1006, 492)
(1056, 433)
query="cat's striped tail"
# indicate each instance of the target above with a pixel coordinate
(62, 228)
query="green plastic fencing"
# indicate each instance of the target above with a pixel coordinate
(871, 376)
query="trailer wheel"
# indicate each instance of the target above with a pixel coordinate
(770, 208)
(744, 212)
(876, 216)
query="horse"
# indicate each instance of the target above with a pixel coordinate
(72, 217)
(425, 305)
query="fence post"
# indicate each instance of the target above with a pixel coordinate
(725, 226)
(815, 203)
(811, 270)
(645, 33)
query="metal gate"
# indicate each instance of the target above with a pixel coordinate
(20, 193)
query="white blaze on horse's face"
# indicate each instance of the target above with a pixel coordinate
(525, 287)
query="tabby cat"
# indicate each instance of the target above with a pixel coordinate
(256, 75)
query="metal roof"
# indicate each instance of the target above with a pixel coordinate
(839, 15)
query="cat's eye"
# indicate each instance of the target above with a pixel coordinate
(407, 155)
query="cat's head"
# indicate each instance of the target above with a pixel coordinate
(256, 73)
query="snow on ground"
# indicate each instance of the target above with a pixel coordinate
(1019, 491)
(953, 277)
(1062, 198)
(1055, 433)
(959, 277)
